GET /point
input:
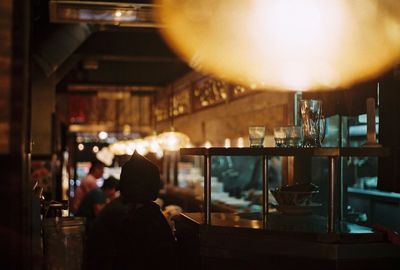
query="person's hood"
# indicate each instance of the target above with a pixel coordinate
(140, 180)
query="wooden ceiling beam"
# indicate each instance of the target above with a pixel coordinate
(96, 128)
(132, 58)
(84, 87)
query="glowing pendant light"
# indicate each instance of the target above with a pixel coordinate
(173, 140)
(153, 143)
(120, 148)
(141, 146)
(285, 44)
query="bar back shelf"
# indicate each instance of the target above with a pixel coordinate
(331, 153)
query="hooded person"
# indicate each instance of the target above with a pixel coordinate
(131, 232)
(140, 180)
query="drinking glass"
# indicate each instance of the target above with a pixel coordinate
(256, 136)
(280, 136)
(287, 136)
(313, 122)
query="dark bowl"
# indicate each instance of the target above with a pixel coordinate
(293, 197)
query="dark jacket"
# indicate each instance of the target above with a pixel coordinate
(131, 232)
(129, 236)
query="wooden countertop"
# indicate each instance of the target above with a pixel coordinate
(313, 226)
(290, 151)
(234, 237)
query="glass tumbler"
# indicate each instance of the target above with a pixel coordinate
(256, 136)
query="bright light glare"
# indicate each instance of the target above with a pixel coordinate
(173, 141)
(81, 147)
(297, 30)
(153, 143)
(285, 45)
(227, 143)
(141, 146)
(207, 144)
(118, 148)
(103, 135)
(240, 142)
(159, 154)
(118, 13)
(129, 147)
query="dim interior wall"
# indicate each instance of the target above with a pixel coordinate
(113, 112)
(5, 66)
(232, 119)
(43, 107)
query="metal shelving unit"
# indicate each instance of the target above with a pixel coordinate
(331, 153)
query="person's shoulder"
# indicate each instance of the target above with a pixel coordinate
(116, 209)
(150, 213)
(149, 207)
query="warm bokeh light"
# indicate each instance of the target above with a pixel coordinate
(126, 147)
(227, 143)
(240, 142)
(207, 144)
(105, 156)
(159, 154)
(81, 147)
(129, 147)
(126, 130)
(285, 45)
(141, 146)
(103, 135)
(153, 143)
(118, 13)
(172, 140)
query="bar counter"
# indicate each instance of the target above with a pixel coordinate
(236, 242)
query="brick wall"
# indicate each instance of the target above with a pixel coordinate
(231, 119)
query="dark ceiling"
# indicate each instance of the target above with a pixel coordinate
(110, 55)
(126, 56)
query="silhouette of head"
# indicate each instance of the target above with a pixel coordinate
(140, 180)
(97, 169)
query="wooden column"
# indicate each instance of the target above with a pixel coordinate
(389, 132)
(15, 185)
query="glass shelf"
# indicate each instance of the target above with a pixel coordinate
(274, 151)
(332, 153)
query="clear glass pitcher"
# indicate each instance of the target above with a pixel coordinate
(313, 122)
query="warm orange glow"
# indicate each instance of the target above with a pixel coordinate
(153, 143)
(173, 140)
(141, 146)
(285, 44)
(207, 144)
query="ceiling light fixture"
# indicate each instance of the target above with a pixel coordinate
(285, 45)
(102, 12)
(172, 140)
(153, 143)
